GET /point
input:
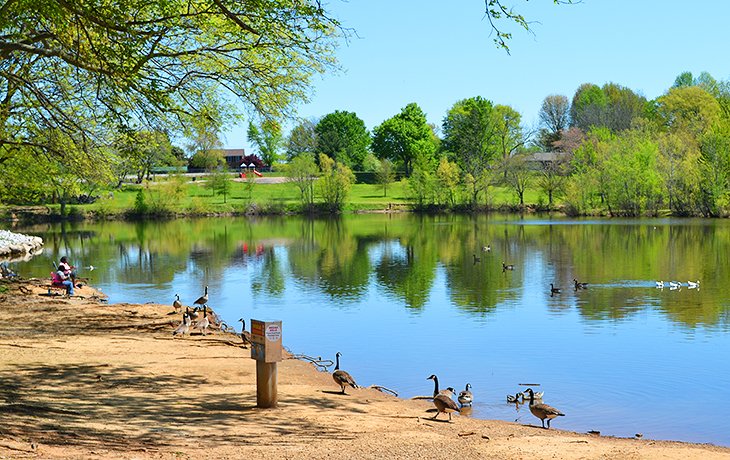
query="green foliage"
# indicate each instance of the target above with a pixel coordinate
(220, 182)
(405, 138)
(343, 137)
(302, 139)
(303, 172)
(140, 203)
(267, 138)
(691, 108)
(385, 174)
(335, 183)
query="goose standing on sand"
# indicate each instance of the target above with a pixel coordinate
(203, 299)
(245, 335)
(542, 411)
(465, 396)
(184, 327)
(435, 384)
(204, 323)
(445, 404)
(342, 378)
(176, 304)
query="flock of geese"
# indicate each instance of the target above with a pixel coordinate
(443, 400)
(676, 285)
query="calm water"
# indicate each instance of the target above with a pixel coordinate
(401, 297)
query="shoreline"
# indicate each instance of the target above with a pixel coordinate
(110, 381)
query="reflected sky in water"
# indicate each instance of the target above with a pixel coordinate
(402, 297)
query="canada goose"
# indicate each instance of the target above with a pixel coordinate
(465, 397)
(176, 303)
(193, 314)
(693, 285)
(507, 267)
(579, 285)
(342, 378)
(245, 335)
(476, 259)
(184, 327)
(554, 290)
(202, 300)
(204, 323)
(445, 404)
(542, 411)
(538, 394)
(660, 284)
(516, 398)
(435, 379)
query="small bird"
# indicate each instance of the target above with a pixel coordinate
(342, 378)
(203, 299)
(554, 290)
(507, 267)
(660, 284)
(487, 248)
(445, 404)
(184, 326)
(176, 303)
(465, 397)
(245, 335)
(476, 259)
(579, 285)
(204, 323)
(542, 411)
(675, 285)
(516, 398)
(693, 285)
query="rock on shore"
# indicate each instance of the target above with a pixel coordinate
(15, 246)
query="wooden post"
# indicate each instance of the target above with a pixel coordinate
(266, 349)
(266, 381)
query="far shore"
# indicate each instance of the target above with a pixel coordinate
(83, 379)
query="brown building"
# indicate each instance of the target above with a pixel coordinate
(233, 157)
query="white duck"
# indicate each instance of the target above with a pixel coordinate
(693, 285)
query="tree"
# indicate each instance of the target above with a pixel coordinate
(518, 176)
(554, 118)
(509, 133)
(138, 152)
(470, 136)
(81, 68)
(302, 170)
(219, 181)
(267, 139)
(690, 108)
(343, 137)
(335, 182)
(404, 137)
(205, 144)
(588, 107)
(385, 174)
(302, 139)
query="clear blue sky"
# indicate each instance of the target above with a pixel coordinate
(435, 53)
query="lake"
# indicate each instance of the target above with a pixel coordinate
(403, 296)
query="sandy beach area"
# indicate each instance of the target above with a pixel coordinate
(83, 379)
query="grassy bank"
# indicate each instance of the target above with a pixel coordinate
(268, 196)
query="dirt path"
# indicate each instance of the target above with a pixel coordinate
(81, 379)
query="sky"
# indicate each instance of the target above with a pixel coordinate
(435, 53)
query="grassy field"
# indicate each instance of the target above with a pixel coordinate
(195, 197)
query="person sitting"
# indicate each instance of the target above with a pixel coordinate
(60, 278)
(68, 270)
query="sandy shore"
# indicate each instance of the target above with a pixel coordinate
(82, 379)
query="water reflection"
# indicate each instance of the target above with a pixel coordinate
(398, 293)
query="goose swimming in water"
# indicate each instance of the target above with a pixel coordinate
(542, 411)
(516, 398)
(693, 285)
(342, 378)
(507, 267)
(675, 285)
(660, 284)
(554, 290)
(579, 285)
(465, 396)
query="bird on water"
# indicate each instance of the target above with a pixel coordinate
(342, 378)
(542, 411)
(466, 397)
